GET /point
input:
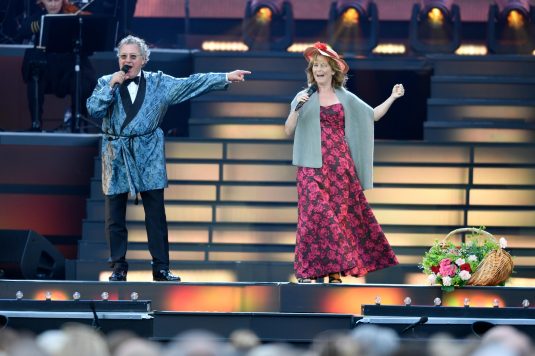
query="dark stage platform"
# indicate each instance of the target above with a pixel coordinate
(275, 311)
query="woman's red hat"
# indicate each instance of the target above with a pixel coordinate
(325, 50)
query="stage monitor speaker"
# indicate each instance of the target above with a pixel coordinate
(24, 254)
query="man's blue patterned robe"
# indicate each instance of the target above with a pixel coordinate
(133, 154)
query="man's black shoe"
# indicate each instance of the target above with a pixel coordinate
(118, 276)
(164, 275)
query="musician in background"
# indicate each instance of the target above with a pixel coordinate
(52, 73)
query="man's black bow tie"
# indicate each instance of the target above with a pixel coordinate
(133, 80)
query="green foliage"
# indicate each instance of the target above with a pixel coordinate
(452, 266)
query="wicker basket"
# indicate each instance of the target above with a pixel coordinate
(495, 268)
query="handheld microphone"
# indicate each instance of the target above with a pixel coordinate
(311, 90)
(125, 69)
(421, 321)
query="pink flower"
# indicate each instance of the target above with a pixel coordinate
(447, 268)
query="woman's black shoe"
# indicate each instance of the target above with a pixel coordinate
(164, 275)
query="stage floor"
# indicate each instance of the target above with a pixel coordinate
(275, 311)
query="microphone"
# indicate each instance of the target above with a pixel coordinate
(421, 321)
(125, 69)
(311, 90)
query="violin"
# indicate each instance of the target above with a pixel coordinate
(69, 8)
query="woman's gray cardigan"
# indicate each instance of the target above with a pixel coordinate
(359, 133)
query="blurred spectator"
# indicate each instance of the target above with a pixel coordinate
(376, 341)
(52, 341)
(195, 343)
(82, 340)
(117, 337)
(335, 343)
(137, 347)
(509, 338)
(243, 341)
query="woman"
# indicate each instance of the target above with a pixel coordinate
(337, 233)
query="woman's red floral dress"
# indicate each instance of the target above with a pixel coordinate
(336, 231)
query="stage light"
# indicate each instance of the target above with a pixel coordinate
(437, 302)
(496, 303)
(389, 49)
(471, 50)
(511, 27)
(353, 26)
(105, 296)
(435, 27)
(134, 296)
(48, 295)
(515, 19)
(467, 302)
(19, 295)
(350, 17)
(378, 300)
(263, 15)
(407, 301)
(226, 46)
(435, 17)
(525, 303)
(76, 296)
(299, 47)
(268, 25)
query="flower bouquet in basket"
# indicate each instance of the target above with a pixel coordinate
(480, 261)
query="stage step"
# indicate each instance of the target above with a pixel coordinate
(483, 87)
(212, 106)
(502, 131)
(481, 99)
(492, 66)
(447, 109)
(238, 128)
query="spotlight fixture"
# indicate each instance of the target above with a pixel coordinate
(19, 295)
(407, 301)
(496, 303)
(48, 295)
(437, 302)
(525, 303)
(76, 296)
(511, 27)
(268, 25)
(105, 296)
(134, 296)
(353, 26)
(435, 27)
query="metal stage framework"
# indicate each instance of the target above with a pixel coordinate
(286, 312)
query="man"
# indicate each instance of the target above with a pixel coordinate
(133, 158)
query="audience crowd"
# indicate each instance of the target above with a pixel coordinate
(364, 340)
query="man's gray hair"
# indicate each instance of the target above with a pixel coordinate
(143, 48)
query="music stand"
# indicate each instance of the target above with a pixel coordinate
(78, 34)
